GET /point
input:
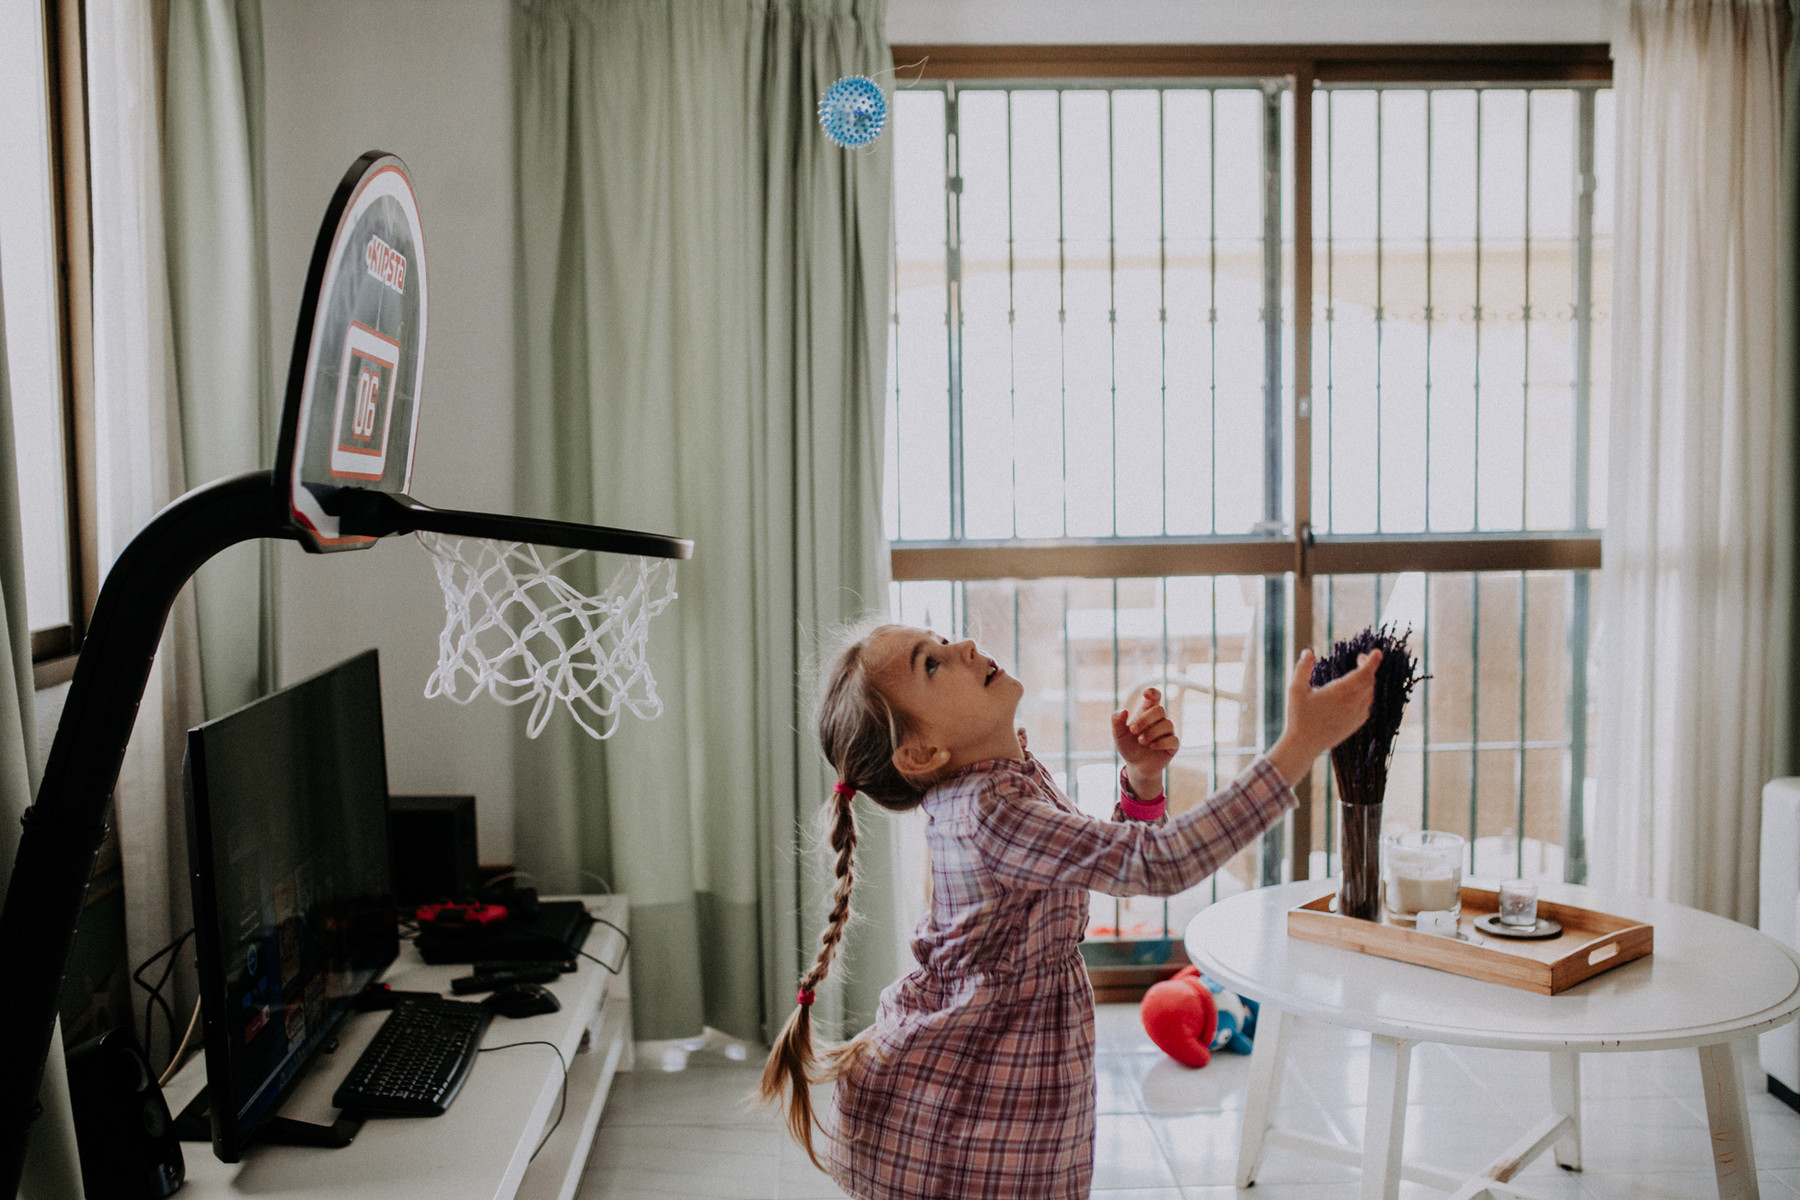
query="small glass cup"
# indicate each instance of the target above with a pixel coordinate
(1421, 871)
(1518, 902)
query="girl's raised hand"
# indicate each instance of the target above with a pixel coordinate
(1320, 718)
(1145, 739)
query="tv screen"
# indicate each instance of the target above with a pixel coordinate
(293, 904)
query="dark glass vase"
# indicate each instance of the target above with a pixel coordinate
(1359, 850)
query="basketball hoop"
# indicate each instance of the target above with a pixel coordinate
(343, 466)
(518, 631)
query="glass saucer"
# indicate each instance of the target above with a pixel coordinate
(1544, 928)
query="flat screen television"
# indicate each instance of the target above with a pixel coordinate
(293, 901)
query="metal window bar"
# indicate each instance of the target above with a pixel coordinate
(1212, 306)
(1112, 324)
(1430, 318)
(953, 317)
(1274, 613)
(1213, 705)
(1114, 760)
(1430, 328)
(1480, 316)
(1425, 715)
(1330, 779)
(1524, 497)
(1012, 327)
(896, 411)
(1325, 99)
(1162, 305)
(1062, 308)
(1474, 707)
(1380, 307)
(1575, 804)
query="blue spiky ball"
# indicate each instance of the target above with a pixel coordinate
(853, 111)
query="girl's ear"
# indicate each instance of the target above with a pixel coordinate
(915, 759)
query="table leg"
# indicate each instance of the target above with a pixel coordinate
(1728, 1117)
(1565, 1098)
(1384, 1129)
(1266, 1055)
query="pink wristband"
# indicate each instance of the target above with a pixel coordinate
(1142, 810)
(1139, 810)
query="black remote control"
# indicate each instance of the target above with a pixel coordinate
(465, 984)
(494, 966)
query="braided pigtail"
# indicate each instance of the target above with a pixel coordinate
(858, 731)
(791, 1062)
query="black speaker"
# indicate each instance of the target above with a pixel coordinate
(128, 1144)
(431, 843)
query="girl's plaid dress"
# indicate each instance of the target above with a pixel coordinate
(978, 1080)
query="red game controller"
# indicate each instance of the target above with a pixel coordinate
(460, 914)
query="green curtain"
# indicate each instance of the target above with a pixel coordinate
(702, 300)
(214, 195)
(52, 1168)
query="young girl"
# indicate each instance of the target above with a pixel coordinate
(977, 1077)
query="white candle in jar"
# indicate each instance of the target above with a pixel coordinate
(1422, 872)
(1420, 893)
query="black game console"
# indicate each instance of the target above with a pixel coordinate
(554, 933)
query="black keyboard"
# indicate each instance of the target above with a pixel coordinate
(418, 1060)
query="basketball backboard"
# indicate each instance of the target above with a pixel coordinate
(354, 381)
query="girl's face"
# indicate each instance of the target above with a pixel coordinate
(960, 704)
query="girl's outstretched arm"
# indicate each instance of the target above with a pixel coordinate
(1028, 841)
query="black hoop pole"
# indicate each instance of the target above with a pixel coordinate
(64, 828)
(363, 512)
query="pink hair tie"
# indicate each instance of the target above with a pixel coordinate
(843, 789)
(804, 999)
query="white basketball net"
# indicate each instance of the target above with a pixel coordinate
(517, 631)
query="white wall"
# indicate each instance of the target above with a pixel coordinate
(1079, 22)
(429, 80)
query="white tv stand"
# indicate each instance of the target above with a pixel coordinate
(481, 1148)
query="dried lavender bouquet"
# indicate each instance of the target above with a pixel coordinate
(1360, 761)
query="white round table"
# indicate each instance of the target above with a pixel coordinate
(1710, 982)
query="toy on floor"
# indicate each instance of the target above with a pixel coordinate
(1190, 1016)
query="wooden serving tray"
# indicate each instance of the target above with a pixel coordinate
(1591, 942)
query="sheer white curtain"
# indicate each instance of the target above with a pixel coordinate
(1689, 588)
(218, 288)
(137, 449)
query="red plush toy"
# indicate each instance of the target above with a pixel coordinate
(1181, 1017)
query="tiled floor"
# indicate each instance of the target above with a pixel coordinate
(1168, 1133)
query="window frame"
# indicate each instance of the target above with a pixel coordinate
(54, 649)
(1298, 551)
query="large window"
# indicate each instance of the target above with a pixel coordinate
(1115, 455)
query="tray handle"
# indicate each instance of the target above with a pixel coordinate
(1600, 954)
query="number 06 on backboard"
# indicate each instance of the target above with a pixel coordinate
(365, 403)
